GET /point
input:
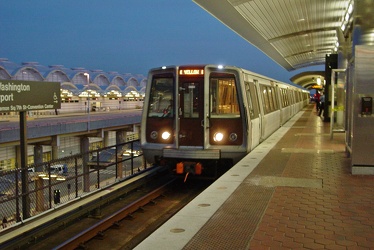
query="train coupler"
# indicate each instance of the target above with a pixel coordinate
(187, 168)
(194, 168)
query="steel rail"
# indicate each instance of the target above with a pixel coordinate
(100, 227)
(25, 234)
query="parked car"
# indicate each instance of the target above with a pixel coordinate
(59, 169)
(135, 152)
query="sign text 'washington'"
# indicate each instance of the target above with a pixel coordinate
(18, 95)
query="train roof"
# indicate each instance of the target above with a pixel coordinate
(218, 66)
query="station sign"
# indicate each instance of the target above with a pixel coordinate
(19, 95)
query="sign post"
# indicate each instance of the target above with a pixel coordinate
(23, 96)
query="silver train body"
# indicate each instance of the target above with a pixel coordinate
(197, 118)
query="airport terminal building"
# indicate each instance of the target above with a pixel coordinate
(83, 92)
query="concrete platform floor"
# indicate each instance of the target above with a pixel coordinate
(302, 195)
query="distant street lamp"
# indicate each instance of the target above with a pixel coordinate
(88, 101)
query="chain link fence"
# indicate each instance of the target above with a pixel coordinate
(25, 193)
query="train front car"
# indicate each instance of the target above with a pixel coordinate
(192, 119)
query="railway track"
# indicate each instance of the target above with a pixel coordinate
(138, 220)
(123, 222)
(113, 220)
(54, 227)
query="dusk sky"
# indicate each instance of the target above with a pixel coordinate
(127, 36)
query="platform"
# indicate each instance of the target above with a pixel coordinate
(294, 191)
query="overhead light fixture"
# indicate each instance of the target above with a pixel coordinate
(347, 18)
(343, 27)
(350, 8)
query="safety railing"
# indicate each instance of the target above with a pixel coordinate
(57, 182)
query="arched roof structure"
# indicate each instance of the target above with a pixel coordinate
(28, 73)
(99, 78)
(130, 88)
(131, 80)
(4, 73)
(73, 79)
(143, 82)
(118, 81)
(56, 74)
(310, 79)
(113, 87)
(68, 85)
(10, 67)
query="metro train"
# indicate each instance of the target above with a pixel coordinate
(199, 119)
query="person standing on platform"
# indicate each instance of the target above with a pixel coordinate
(321, 105)
(317, 98)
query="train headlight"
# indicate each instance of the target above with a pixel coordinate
(165, 135)
(154, 135)
(218, 137)
(233, 137)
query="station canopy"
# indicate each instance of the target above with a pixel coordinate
(294, 33)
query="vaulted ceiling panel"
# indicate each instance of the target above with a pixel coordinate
(294, 33)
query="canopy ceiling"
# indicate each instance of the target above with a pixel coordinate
(294, 33)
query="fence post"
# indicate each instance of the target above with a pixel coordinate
(39, 186)
(119, 165)
(76, 177)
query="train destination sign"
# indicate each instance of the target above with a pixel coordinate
(16, 95)
(191, 72)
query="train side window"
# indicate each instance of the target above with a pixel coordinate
(161, 97)
(285, 98)
(252, 100)
(290, 94)
(265, 98)
(275, 98)
(282, 98)
(293, 96)
(270, 92)
(223, 97)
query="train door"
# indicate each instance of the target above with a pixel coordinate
(254, 113)
(191, 107)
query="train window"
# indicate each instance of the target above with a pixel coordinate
(293, 96)
(275, 100)
(285, 98)
(290, 94)
(264, 91)
(270, 92)
(161, 97)
(190, 100)
(223, 96)
(252, 100)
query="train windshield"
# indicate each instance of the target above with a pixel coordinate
(223, 97)
(161, 97)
